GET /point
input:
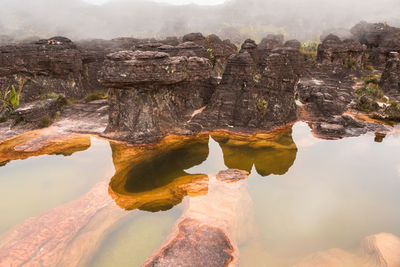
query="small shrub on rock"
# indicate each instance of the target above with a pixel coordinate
(45, 122)
(95, 96)
(309, 50)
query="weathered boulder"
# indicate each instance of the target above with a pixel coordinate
(380, 38)
(272, 41)
(348, 53)
(153, 94)
(39, 113)
(390, 81)
(256, 91)
(232, 175)
(193, 44)
(196, 244)
(218, 50)
(325, 92)
(53, 65)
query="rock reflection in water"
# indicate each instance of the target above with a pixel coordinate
(156, 179)
(272, 153)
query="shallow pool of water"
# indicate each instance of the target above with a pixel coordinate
(306, 194)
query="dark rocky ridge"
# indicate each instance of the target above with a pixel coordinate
(155, 94)
(380, 39)
(390, 81)
(48, 66)
(195, 83)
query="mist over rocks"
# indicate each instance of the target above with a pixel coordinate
(235, 19)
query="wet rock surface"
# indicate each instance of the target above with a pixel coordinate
(195, 245)
(61, 120)
(232, 175)
(67, 235)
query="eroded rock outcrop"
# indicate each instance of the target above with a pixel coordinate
(218, 50)
(327, 90)
(53, 65)
(380, 38)
(390, 81)
(153, 94)
(333, 50)
(256, 91)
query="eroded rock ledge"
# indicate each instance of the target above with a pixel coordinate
(155, 94)
(196, 83)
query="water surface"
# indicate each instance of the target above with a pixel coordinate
(307, 194)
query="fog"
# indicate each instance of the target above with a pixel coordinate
(235, 19)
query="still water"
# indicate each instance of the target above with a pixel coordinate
(306, 194)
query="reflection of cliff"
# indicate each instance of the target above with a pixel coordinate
(272, 153)
(154, 179)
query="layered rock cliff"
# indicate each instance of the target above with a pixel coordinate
(153, 94)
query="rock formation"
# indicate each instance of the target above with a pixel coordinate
(200, 83)
(48, 66)
(327, 90)
(218, 50)
(335, 51)
(380, 38)
(256, 91)
(390, 81)
(153, 94)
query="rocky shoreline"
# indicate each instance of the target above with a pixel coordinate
(193, 84)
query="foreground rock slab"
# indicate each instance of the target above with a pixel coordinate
(206, 234)
(195, 245)
(64, 236)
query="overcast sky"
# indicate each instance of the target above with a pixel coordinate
(174, 2)
(230, 19)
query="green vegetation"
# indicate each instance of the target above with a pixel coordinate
(45, 122)
(86, 73)
(373, 78)
(262, 105)
(369, 94)
(369, 67)
(351, 63)
(52, 95)
(96, 95)
(211, 53)
(9, 98)
(309, 49)
(391, 112)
